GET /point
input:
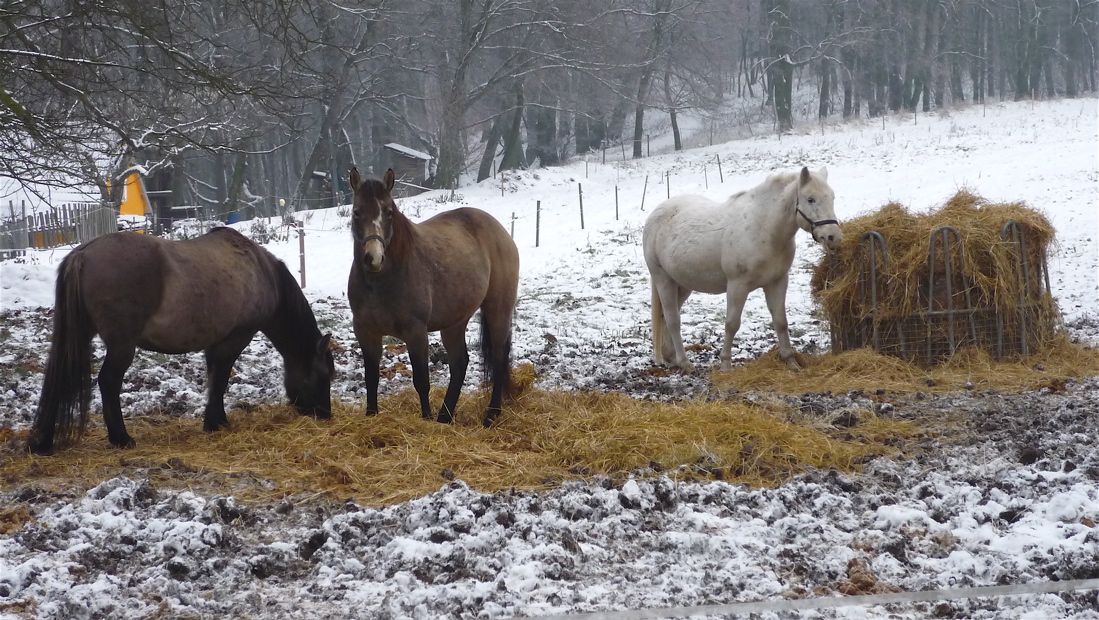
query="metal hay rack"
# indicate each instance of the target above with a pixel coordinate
(950, 315)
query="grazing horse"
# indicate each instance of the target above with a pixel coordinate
(209, 294)
(410, 279)
(692, 243)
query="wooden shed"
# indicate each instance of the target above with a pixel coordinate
(412, 168)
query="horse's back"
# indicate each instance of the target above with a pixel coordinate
(683, 238)
(176, 296)
(471, 260)
(475, 234)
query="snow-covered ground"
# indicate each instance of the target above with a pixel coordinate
(1015, 501)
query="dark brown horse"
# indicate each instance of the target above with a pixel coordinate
(208, 294)
(410, 279)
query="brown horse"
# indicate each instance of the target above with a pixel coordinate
(208, 294)
(410, 279)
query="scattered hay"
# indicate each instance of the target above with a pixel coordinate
(865, 369)
(542, 439)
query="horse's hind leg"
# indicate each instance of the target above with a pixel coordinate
(671, 298)
(111, 373)
(457, 354)
(496, 345)
(776, 303)
(219, 365)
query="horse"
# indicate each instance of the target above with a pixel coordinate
(692, 243)
(410, 279)
(210, 294)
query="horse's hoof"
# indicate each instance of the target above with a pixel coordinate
(371, 412)
(41, 448)
(444, 419)
(490, 418)
(686, 367)
(214, 427)
(126, 444)
(792, 363)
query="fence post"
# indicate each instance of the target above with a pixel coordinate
(581, 190)
(301, 250)
(513, 224)
(616, 203)
(537, 222)
(644, 188)
(720, 174)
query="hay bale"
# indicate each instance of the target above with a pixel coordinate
(976, 290)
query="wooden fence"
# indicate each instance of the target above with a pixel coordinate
(62, 225)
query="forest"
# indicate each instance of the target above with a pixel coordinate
(231, 105)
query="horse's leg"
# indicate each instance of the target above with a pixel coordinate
(219, 365)
(111, 373)
(457, 355)
(669, 292)
(417, 354)
(776, 303)
(669, 346)
(496, 345)
(371, 345)
(735, 296)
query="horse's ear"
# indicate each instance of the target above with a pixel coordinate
(823, 172)
(804, 175)
(355, 179)
(388, 180)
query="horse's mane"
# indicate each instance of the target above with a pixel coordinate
(294, 306)
(404, 234)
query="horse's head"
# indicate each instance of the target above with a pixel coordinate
(309, 380)
(814, 206)
(372, 218)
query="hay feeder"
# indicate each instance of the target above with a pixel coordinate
(971, 275)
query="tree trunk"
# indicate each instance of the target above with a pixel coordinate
(236, 187)
(676, 137)
(639, 112)
(451, 151)
(542, 130)
(491, 142)
(781, 70)
(513, 158)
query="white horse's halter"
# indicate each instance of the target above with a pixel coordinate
(813, 224)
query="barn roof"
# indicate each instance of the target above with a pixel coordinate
(408, 152)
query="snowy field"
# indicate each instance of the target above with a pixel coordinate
(1014, 500)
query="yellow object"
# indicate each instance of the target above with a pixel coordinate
(135, 201)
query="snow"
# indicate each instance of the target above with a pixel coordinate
(972, 513)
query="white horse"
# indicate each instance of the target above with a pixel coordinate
(692, 243)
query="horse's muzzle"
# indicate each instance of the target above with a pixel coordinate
(829, 235)
(373, 254)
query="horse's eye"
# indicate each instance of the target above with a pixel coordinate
(812, 201)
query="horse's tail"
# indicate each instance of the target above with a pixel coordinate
(62, 411)
(658, 328)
